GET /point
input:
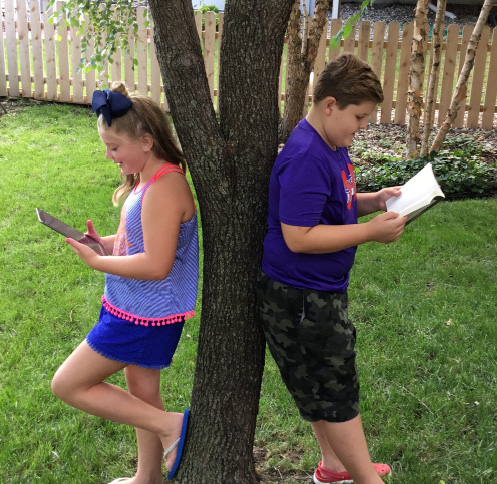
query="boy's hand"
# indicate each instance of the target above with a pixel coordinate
(383, 195)
(87, 255)
(387, 227)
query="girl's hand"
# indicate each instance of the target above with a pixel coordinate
(383, 195)
(87, 255)
(91, 232)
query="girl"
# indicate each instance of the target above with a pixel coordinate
(150, 286)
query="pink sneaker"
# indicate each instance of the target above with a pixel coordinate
(326, 476)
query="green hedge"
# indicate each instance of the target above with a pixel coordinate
(460, 173)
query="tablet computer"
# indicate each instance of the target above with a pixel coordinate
(68, 231)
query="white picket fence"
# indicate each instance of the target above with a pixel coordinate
(40, 61)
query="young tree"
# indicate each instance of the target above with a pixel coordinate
(437, 39)
(230, 162)
(416, 77)
(462, 83)
(303, 43)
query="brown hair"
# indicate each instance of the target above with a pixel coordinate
(144, 117)
(349, 80)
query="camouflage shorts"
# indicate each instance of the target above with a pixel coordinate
(312, 341)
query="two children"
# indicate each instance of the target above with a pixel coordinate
(150, 286)
(309, 250)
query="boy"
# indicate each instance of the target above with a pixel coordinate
(309, 250)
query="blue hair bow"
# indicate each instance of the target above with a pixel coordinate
(110, 104)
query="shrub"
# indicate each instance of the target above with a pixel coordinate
(460, 173)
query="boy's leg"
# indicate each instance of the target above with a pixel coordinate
(144, 384)
(328, 457)
(349, 445)
(80, 383)
(312, 341)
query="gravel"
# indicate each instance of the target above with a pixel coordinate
(465, 14)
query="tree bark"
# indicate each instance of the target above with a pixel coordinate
(416, 77)
(460, 93)
(302, 49)
(437, 39)
(230, 163)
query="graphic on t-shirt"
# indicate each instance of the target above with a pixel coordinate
(349, 185)
(121, 243)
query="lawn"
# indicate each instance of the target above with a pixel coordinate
(425, 310)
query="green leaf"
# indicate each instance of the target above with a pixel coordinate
(347, 30)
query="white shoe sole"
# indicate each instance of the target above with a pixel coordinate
(346, 481)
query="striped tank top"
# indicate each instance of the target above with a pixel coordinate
(154, 303)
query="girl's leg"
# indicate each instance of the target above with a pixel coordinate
(349, 444)
(144, 384)
(80, 383)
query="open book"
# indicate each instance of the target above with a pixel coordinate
(419, 194)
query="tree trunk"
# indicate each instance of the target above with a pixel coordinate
(460, 93)
(230, 163)
(416, 77)
(302, 49)
(436, 41)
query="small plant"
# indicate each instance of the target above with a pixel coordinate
(459, 174)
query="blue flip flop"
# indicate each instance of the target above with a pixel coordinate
(180, 443)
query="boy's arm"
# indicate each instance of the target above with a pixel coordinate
(322, 239)
(373, 202)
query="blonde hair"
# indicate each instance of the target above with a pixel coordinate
(349, 80)
(143, 117)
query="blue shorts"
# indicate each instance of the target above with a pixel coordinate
(124, 341)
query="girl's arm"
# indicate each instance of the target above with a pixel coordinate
(373, 202)
(167, 203)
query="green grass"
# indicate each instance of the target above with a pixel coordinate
(424, 308)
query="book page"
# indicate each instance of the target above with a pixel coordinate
(418, 192)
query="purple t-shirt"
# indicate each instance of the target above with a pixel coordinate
(310, 185)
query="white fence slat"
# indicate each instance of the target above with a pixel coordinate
(37, 50)
(390, 70)
(142, 53)
(129, 71)
(155, 79)
(51, 66)
(320, 63)
(377, 57)
(364, 33)
(491, 91)
(76, 72)
(478, 76)
(90, 75)
(402, 82)
(210, 49)
(449, 68)
(336, 25)
(349, 42)
(219, 37)
(3, 72)
(11, 44)
(63, 52)
(24, 57)
(116, 64)
(466, 35)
